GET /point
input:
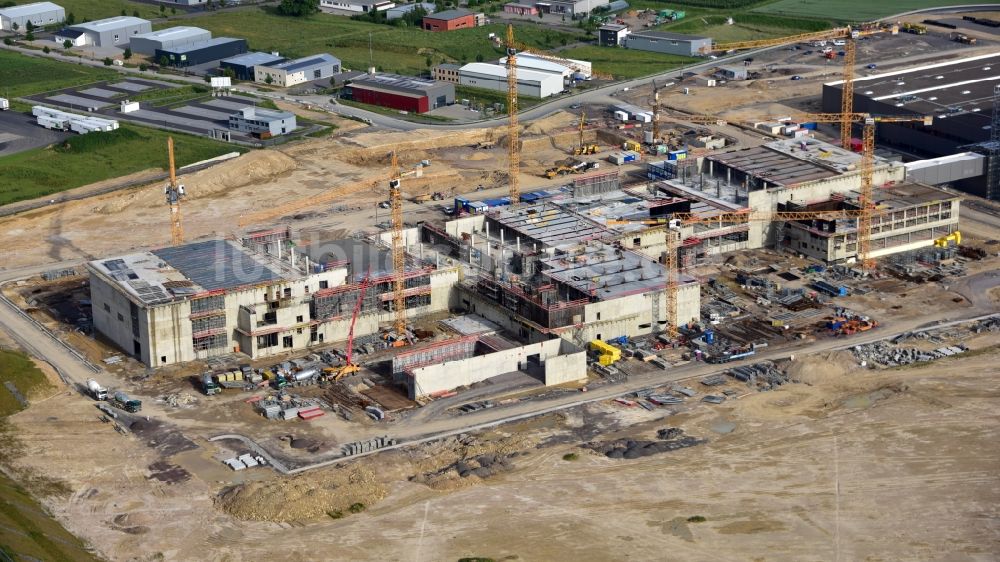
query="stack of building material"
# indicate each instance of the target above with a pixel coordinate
(310, 413)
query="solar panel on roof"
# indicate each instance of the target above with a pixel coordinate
(216, 264)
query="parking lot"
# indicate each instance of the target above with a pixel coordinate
(18, 132)
(201, 116)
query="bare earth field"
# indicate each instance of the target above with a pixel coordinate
(850, 465)
(217, 196)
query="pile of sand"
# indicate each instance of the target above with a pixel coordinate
(821, 367)
(253, 167)
(303, 497)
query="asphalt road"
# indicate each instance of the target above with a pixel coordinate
(20, 132)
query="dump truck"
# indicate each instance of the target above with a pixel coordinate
(959, 37)
(97, 392)
(122, 401)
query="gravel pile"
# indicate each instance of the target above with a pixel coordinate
(672, 439)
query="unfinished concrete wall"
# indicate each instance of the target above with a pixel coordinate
(465, 225)
(764, 233)
(112, 313)
(568, 363)
(169, 329)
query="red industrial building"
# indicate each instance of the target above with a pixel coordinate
(405, 93)
(450, 20)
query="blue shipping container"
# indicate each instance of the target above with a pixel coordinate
(810, 126)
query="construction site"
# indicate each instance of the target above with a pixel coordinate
(386, 342)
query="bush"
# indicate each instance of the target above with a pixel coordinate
(571, 457)
(335, 514)
(298, 8)
(143, 67)
(696, 519)
(108, 61)
(46, 49)
(356, 508)
(8, 41)
(94, 141)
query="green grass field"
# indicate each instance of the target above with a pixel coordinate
(97, 9)
(95, 157)
(21, 75)
(403, 50)
(20, 370)
(848, 10)
(26, 531)
(625, 63)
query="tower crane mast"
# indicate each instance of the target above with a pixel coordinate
(174, 193)
(398, 251)
(513, 133)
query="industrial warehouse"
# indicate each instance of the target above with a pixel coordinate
(38, 14)
(385, 315)
(401, 92)
(110, 32)
(958, 94)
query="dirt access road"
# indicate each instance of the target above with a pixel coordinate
(853, 465)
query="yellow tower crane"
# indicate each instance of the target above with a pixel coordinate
(511, 46)
(513, 133)
(671, 228)
(398, 251)
(866, 197)
(174, 193)
(850, 36)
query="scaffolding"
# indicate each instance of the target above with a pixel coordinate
(340, 301)
(542, 305)
(596, 184)
(435, 353)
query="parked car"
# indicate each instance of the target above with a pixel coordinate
(796, 77)
(872, 66)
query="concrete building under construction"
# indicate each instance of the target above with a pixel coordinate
(547, 270)
(799, 175)
(260, 295)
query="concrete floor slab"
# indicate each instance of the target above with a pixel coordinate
(100, 92)
(230, 103)
(130, 86)
(168, 119)
(202, 112)
(77, 102)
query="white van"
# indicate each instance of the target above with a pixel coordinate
(839, 42)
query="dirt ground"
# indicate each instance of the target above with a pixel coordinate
(92, 228)
(842, 466)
